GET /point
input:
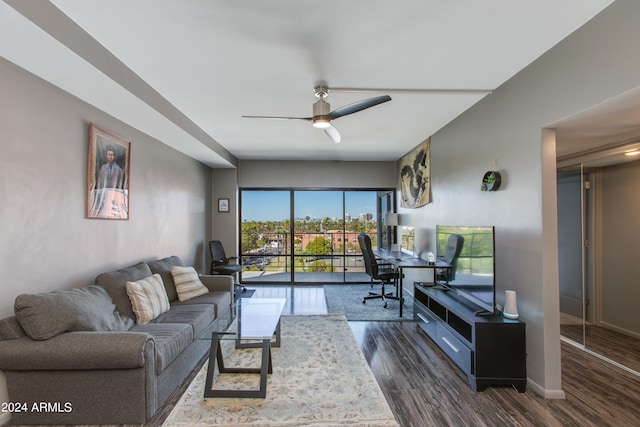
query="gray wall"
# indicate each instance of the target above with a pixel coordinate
(224, 225)
(47, 243)
(316, 174)
(506, 131)
(620, 236)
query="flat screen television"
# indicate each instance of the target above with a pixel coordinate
(473, 274)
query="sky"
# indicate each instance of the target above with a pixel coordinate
(275, 205)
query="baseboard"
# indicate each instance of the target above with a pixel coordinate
(547, 394)
(600, 356)
(620, 330)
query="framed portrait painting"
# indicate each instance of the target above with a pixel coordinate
(107, 175)
(415, 176)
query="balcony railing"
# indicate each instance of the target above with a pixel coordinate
(337, 259)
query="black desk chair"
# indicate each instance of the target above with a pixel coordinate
(454, 246)
(377, 271)
(221, 264)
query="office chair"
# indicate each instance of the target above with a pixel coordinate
(454, 247)
(377, 271)
(220, 263)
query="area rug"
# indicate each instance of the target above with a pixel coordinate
(347, 299)
(320, 378)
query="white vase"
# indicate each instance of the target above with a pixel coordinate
(510, 305)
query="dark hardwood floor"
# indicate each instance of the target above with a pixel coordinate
(614, 345)
(424, 388)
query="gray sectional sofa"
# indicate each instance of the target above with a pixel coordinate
(90, 363)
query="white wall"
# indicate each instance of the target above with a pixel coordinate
(506, 129)
(46, 242)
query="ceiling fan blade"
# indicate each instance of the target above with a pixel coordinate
(333, 134)
(277, 118)
(358, 106)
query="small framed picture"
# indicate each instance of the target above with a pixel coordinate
(223, 205)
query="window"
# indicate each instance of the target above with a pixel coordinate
(408, 240)
(305, 236)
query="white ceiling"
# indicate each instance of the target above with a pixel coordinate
(185, 71)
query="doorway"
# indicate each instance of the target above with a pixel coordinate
(598, 266)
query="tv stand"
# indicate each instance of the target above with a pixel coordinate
(487, 347)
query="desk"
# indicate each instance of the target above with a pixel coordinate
(402, 260)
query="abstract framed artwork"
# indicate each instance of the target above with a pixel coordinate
(107, 175)
(415, 176)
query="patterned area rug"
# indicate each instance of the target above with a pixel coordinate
(347, 299)
(320, 378)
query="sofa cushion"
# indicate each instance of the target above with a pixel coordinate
(10, 329)
(148, 298)
(115, 283)
(220, 300)
(188, 285)
(90, 308)
(163, 268)
(199, 316)
(170, 339)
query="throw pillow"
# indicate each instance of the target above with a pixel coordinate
(148, 298)
(188, 284)
(43, 316)
(115, 283)
(163, 268)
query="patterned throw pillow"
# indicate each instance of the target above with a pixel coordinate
(188, 284)
(148, 298)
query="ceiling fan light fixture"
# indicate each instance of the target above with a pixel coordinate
(323, 116)
(321, 123)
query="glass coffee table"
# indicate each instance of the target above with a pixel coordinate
(256, 320)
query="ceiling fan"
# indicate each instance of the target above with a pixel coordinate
(322, 114)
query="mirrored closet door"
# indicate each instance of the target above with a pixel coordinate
(599, 260)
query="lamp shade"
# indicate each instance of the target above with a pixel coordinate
(391, 219)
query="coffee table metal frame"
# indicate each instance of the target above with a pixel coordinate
(255, 318)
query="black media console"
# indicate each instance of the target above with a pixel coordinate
(490, 350)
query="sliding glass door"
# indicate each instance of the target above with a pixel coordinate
(265, 236)
(306, 236)
(318, 232)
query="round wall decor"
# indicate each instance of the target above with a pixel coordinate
(491, 181)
